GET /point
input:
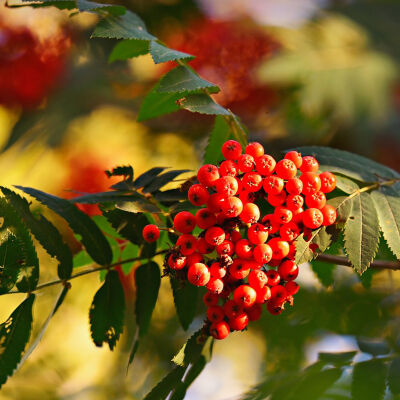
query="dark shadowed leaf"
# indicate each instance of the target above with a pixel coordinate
(374, 347)
(9, 262)
(148, 176)
(337, 358)
(394, 376)
(169, 383)
(162, 180)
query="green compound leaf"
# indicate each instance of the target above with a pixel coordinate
(218, 136)
(184, 79)
(349, 164)
(148, 176)
(361, 232)
(28, 271)
(345, 184)
(14, 335)
(9, 262)
(156, 104)
(161, 180)
(394, 376)
(92, 237)
(91, 6)
(161, 54)
(129, 48)
(203, 104)
(184, 295)
(127, 26)
(369, 380)
(44, 231)
(148, 280)
(106, 314)
(387, 204)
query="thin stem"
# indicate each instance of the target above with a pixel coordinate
(86, 272)
(340, 260)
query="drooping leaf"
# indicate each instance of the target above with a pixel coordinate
(161, 180)
(387, 204)
(148, 176)
(394, 376)
(202, 104)
(107, 197)
(184, 295)
(91, 6)
(156, 104)
(342, 358)
(127, 26)
(137, 206)
(14, 335)
(129, 48)
(92, 238)
(219, 135)
(183, 79)
(126, 171)
(369, 380)
(324, 272)
(9, 262)
(44, 231)
(344, 206)
(374, 347)
(167, 384)
(107, 312)
(148, 280)
(345, 184)
(349, 164)
(361, 232)
(367, 276)
(170, 195)
(28, 263)
(161, 53)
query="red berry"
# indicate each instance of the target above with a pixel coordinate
(239, 269)
(228, 168)
(270, 224)
(257, 234)
(219, 330)
(276, 199)
(231, 150)
(294, 186)
(215, 314)
(294, 201)
(151, 233)
(309, 164)
(198, 274)
(194, 258)
(257, 279)
(250, 213)
(205, 218)
(244, 295)
(203, 247)
(286, 169)
(232, 309)
(278, 294)
(226, 247)
(215, 285)
(289, 231)
(295, 157)
(198, 195)
(252, 182)
(184, 222)
(282, 215)
(227, 186)
(246, 163)
(215, 235)
(247, 197)
(291, 288)
(210, 299)
(263, 294)
(235, 236)
(316, 200)
(298, 215)
(273, 277)
(273, 184)
(288, 270)
(244, 249)
(254, 312)
(280, 248)
(187, 244)
(265, 165)
(239, 323)
(215, 202)
(328, 182)
(176, 262)
(313, 218)
(274, 309)
(255, 149)
(217, 271)
(329, 215)
(208, 175)
(262, 253)
(232, 207)
(311, 183)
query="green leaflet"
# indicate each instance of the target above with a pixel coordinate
(161, 180)
(127, 26)
(203, 104)
(218, 136)
(387, 204)
(91, 6)
(361, 233)
(129, 48)
(28, 272)
(161, 53)
(14, 335)
(106, 315)
(394, 376)
(92, 237)
(9, 262)
(184, 79)
(44, 231)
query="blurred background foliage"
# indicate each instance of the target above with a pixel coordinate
(305, 72)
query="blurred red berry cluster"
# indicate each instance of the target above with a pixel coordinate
(29, 68)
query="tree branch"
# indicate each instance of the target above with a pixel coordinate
(340, 260)
(86, 272)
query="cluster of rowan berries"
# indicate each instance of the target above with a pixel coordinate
(242, 258)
